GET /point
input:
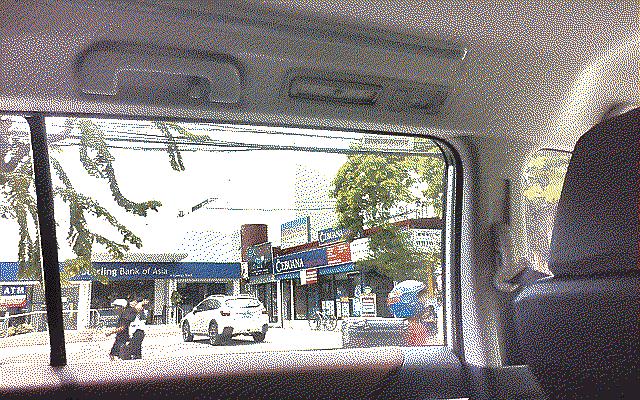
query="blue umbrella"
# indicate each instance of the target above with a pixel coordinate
(403, 299)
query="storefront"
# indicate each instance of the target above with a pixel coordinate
(193, 293)
(157, 282)
(317, 280)
(261, 281)
(267, 293)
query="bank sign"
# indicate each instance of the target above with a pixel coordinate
(331, 235)
(170, 270)
(260, 259)
(299, 261)
(124, 270)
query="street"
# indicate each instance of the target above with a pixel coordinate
(167, 342)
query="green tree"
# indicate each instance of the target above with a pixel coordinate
(543, 180)
(18, 202)
(373, 189)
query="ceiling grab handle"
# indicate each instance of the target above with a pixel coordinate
(101, 72)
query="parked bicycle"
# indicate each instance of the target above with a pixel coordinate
(320, 320)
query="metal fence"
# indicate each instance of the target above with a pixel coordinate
(36, 321)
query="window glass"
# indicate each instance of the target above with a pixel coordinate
(208, 305)
(326, 228)
(23, 320)
(543, 180)
(243, 303)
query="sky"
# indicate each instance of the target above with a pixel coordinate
(243, 185)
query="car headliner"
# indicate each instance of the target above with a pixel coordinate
(537, 71)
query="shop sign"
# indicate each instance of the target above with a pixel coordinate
(338, 254)
(260, 259)
(368, 305)
(309, 276)
(360, 249)
(13, 296)
(148, 270)
(303, 260)
(295, 232)
(331, 235)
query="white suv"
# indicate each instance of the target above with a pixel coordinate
(222, 317)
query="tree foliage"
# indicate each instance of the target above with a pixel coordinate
(543, 180)
(373, 189)
(394, 256)
(17, 201)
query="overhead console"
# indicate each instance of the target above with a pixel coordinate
(376, 92)
(200, 61)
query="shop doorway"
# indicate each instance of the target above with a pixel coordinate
(267, 293)
(194, 292)
(102, 295)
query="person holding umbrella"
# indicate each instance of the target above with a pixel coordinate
(409, 300)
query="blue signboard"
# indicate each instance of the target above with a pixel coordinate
(145, 270)
(331, 235)
(260, 259)
(299, 261)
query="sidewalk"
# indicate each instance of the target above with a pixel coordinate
(78, 336)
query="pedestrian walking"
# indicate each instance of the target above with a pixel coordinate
(410, 300)
(126, 316)
(133, 350)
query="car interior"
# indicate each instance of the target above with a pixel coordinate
(492, 83)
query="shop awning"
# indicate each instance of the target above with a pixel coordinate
(336, 269)
(327, 270)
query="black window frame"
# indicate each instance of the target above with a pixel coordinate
(452, 215)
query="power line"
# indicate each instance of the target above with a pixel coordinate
(188, 144)
(267, 209)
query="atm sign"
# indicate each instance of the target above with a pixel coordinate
(13, 296)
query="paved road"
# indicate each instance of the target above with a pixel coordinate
(169, 344)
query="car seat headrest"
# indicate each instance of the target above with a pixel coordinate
(596, 225)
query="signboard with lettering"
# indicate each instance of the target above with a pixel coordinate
(331, 235)
(368, 305)
(260, 259)
(295, 232)
(345, 309)
(13, 296)
(338, 254)
(302, 260)
(127, 270)
(169, 270)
